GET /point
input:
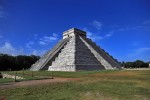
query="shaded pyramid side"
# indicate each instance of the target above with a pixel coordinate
(47, 58)
(104, 58)
(84, 58)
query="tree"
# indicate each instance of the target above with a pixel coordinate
(136, 64)
(16, 62)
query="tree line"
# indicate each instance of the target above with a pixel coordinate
(135, 64)
(8, 62)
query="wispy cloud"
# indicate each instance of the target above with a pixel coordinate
(97, 36)
(1, 9)
(37, 52)
(133, 28)
(146, 22)
(139, 50)
(29, 44)
(140, 53)
(8, 48)
(108, 35)
(45, 40)
(1, 14)
(128, 28)
(1, 36)
(123, 29)
(33, 46)
(97, 24)
(135, 43)
(92, 35)
(145, 25)
(35, 36)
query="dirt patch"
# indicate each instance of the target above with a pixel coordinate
(36, 82)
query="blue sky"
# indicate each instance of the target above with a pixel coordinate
(121, 27)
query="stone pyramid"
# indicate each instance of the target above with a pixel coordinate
(75, 52)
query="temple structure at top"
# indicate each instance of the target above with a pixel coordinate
(75, 52)
(73, 32)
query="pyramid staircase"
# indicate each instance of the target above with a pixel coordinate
(49, 56)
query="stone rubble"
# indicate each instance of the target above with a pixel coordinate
(11, 76)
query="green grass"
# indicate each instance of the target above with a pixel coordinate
(37, 75)
(27, 76)
(6, 80)
(93, 85)
(65, 74)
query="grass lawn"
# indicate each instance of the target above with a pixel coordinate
(93, 85)
(37, 75)
(6, 80)
(27, 76)
(64, 74)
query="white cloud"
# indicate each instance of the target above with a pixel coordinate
(7, 48)
(55, 35)
(108, 35)
(47, 39)
(42, 43)
(29, 44)
(98, 25)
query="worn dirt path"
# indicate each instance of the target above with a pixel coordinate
(36, 82)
